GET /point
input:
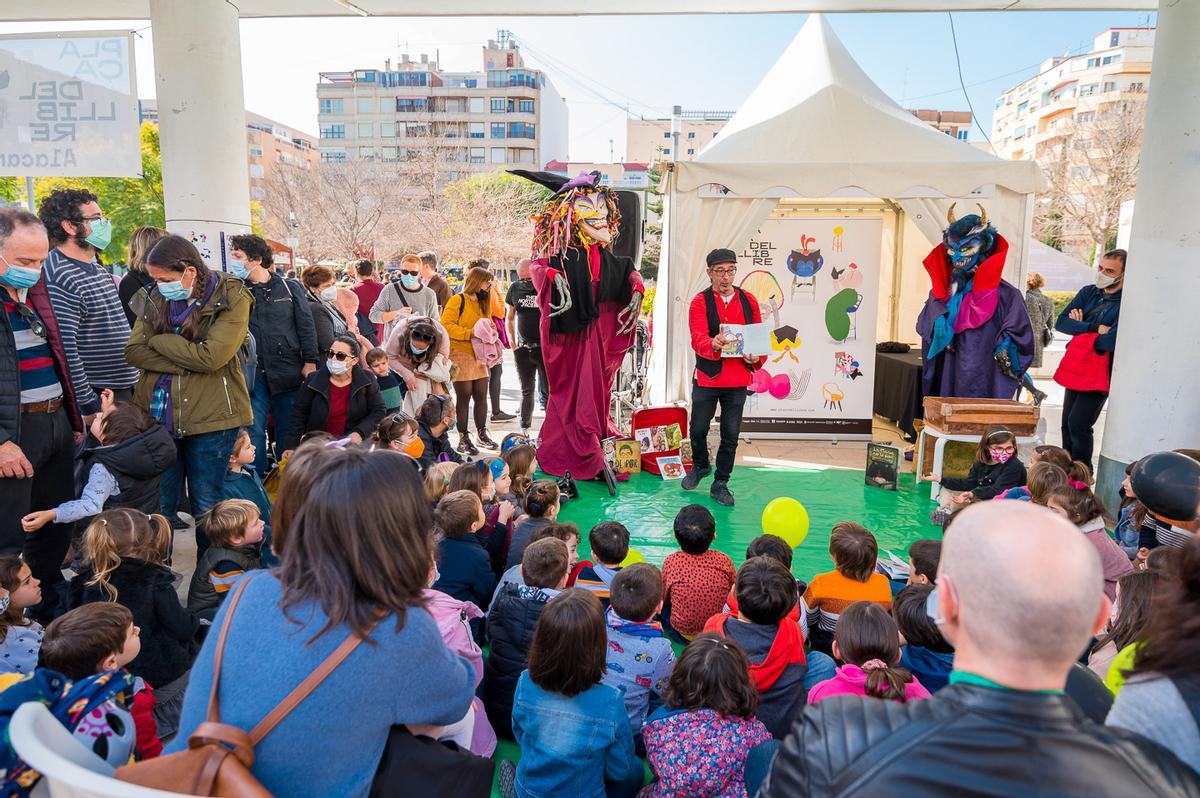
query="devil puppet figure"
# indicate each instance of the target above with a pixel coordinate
(975, 331)
(590, 301)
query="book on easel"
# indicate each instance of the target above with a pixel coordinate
(883, 466)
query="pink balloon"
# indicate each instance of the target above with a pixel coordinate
(781, 386)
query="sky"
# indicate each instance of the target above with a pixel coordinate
(647, 64)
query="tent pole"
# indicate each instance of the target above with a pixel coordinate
(897, 265)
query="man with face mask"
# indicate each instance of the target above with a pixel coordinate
(976, 336)
(37, 408)
(408, 297)
(84, 295)
(1095, 309)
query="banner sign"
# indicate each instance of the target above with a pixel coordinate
(68, 105)
(817, 283)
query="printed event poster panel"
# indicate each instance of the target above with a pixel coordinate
(817, 282)
(68, 105)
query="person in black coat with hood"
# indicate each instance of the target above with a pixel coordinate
(339, 398)
(133, 451)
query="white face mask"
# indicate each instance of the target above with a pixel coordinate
(337, 366)
(1104, 281)
(329, 294)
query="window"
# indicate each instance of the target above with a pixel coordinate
(475, 105)
(410, 105)
(404, 79)
(475, 130)
(666, 150)
(498, 155)
(366, 130)
(476, 155)
(691, 134)
(387, 130)
(257, 193)
(1137, 87)
(256, 171)
(256, 150)
(666, 134)
(364, 76)
(1089, 89)
(1114, 38)
(366, 105)
(391, 154)
(691, 151)
(333, 131)
(1019, 133)
(962, 135)
(1023, 107)
(366, 153)
(1087, 116)
(333, 156)
(1093, 62)
(330, 106)
(1111, 59)
(498, 105)
(525, 106)
(497, 130)
(1110, 85)
(521, 130)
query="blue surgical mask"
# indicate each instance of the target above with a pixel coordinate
(174, 291)
(101, 235)
(239, 269)
(20, 277)
(411, 282)
(412, 348)
(931, 607)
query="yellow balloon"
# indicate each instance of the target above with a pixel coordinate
(786, 518)
(632, 557)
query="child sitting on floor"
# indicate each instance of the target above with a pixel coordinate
(705, 739)
(923, 558)
(924, 652)
(1044, 479)
(541, 508)
(854, 553)
(1127, 622)
(776, 548)
(463, 564)
(235, 534)
(437, 481)
(479, 477)
(242, 482)
(697, 579)
(572, 729)
(996, 469)
(92, 639)
(1081, 507)
(639, 655)
(389, 381)
(20, 637)
(510, 625)
(522, 463)
(609, 542)
(567, 533)
(774, 646)
(867, 642)
(397, 432)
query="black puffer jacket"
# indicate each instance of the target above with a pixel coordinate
(311, 410)
(168, 630)
(282, 326)
(968, 741)
(510, 621)
(136, 464)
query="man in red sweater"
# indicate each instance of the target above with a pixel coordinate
(719, 380)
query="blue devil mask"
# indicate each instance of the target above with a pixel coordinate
(969, 241)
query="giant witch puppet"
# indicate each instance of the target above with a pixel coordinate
(590, 300)
(976, 336)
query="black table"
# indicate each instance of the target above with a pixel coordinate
(898, 395)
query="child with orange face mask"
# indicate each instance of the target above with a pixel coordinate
(398, 432)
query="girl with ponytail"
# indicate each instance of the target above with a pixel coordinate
(867, 642)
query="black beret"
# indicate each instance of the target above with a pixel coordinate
(721, 256)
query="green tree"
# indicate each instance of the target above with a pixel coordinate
(652, 245)
(130, 202)
(10, 189)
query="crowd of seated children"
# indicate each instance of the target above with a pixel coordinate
(771, 641)
(572, 728)
(235, 535)
(854, 552)
(542, 503)
(697, 578)
(567, 533)
(924, 653)
(20, 636)
(510, 624)
(867, 643)
(93, 639)
(639, 656)
(609, 542)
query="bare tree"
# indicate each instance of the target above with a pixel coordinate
(489, 217)
(1090, 175)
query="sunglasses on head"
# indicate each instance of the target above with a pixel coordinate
(420, 335)
(339, 356)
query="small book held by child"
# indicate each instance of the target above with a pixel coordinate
(893, 567)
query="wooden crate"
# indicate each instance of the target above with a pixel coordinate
(973, 416)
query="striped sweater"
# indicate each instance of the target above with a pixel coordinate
(93, 326)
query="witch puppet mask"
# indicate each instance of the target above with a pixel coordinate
(969, 241)
(582, 212)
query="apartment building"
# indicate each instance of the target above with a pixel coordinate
(629, 175)
(1035, 116)
(269, 145)
(956, 124)
(505, 114)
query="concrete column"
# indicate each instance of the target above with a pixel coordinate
(1154, 402)
(202, 121)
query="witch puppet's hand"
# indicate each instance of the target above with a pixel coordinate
(564, 291)
(627, 318)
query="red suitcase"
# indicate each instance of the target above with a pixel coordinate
(659, 417)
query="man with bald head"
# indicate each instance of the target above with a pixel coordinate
(1003, 726)
(524, 332)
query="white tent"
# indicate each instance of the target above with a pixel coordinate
(819, 136)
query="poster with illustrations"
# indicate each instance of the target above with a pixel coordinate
(817, 283)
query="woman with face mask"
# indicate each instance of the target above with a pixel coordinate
(319, 282)
(461, 314)
(187, 344)
(419, 351)
(340, 398)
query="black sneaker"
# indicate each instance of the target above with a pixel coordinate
(507, 779)
(693, 477)
(486, 441)
(465, 446)
(500, 415)
(1039, 397)
(720, 494)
